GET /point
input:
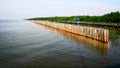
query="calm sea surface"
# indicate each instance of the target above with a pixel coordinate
(24, 44)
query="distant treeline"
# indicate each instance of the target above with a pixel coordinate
(110, 17)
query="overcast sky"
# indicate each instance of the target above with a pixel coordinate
(21, 9)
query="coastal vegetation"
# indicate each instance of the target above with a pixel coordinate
(113, 17)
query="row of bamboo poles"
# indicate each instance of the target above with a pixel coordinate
(94, 33)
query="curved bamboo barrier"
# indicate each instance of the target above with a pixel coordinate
(94, 33)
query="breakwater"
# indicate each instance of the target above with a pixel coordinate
(94, 33)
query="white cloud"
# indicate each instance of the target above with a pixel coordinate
(32, 8)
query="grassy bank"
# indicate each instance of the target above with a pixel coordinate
(113, 17)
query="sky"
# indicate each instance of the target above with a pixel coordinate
(22, 9)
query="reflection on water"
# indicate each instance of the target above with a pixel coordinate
(24, 44)
(98, 46)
